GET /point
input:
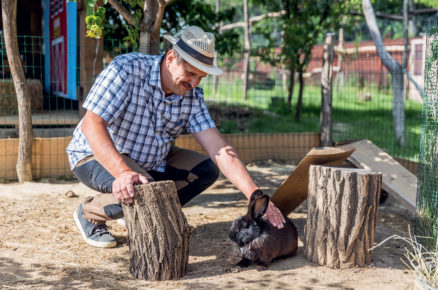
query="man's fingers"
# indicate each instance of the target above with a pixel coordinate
(143, 179)
(130, 188)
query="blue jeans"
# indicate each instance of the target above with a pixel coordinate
(192, 173)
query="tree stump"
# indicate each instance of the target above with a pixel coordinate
(158, 232)
(341, 215)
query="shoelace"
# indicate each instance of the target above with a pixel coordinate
(98, 229)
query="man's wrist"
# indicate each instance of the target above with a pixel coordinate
(123, 171)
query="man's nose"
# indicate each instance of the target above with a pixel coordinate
(194, 81)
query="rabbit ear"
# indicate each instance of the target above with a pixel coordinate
(258, 205)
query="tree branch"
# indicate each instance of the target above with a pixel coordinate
(398, 17)
(252, 20)
(386, 58)
(160, 13)
(123, 11)
(423, 11)
(380, 15)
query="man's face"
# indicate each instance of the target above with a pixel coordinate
(184, 75)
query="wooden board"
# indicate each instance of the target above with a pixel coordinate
(294, 189)
(397, 180)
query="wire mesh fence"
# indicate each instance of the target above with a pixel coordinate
(427, 192)
(362, 102)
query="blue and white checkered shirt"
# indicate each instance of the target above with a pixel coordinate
(142, 122)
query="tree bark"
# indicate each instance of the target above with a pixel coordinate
(326, 92)
(153, 12)
(396, 70)
(341, 215)
(216, 78)
(291, 87)
(158, 233)
(300, 94)
(340, 72)
(24, 161)
(247, 50)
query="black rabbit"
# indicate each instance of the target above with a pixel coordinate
(259, 240)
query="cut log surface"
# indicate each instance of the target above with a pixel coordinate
(341, 215)
(158, 232)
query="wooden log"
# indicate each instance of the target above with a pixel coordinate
(158, 232)
(341, 215)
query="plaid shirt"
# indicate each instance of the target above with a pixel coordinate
(142, 122)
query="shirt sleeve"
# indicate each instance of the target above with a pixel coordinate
(110, 93)
(201, 120)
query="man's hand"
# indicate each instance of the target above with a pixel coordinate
(274, 216)
(123, 186)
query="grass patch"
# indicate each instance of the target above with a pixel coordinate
(352, 118)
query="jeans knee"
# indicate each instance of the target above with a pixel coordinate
(207, 171)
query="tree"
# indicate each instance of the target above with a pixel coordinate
(302, 25)
(24, 162)
(148, 20)
(396, 70)
(145, 20)
(247, 52)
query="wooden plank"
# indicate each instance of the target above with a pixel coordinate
(397, 180)
(48, 119)
(293, 191)
(262, 146)
(49, 158)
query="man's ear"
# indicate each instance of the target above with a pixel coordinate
(170, 56)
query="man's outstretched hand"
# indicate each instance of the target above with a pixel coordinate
(274, 216)
(123, 186)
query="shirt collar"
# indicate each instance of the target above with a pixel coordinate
(155, 77)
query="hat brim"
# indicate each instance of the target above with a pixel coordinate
(210, 69)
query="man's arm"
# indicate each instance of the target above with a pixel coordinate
(229, 163)
(95, 131)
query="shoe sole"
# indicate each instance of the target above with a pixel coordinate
(90, 241)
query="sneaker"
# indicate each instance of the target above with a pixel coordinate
(121, 222)
(93, 234)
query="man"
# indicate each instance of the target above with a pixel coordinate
(138, 105)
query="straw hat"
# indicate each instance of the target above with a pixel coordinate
(197, 48)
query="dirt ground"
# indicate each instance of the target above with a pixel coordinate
(40, 246)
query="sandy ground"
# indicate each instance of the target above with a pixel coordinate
(40, 246)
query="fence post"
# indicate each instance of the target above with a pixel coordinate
(326, 92)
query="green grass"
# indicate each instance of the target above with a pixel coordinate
(351, 119)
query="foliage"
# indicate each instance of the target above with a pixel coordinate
(304, 23)
(177, 15)
(197, 12)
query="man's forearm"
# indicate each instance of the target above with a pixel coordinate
(104, 150)
(232, 167)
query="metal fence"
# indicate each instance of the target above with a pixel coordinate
(362, 102)
(427, 193)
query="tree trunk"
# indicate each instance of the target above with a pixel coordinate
(412, 28)
(158, 233)
(216, 78)
(300, 94)
(326, 92)
(341, 215)
(393, 67)
(340, 72)
(291, 88)
(149, 39)
(90, 58)
(24, 161)
(247, 51)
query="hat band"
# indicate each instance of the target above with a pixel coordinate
(193, 53)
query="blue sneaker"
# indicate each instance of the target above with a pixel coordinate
(95, 235)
